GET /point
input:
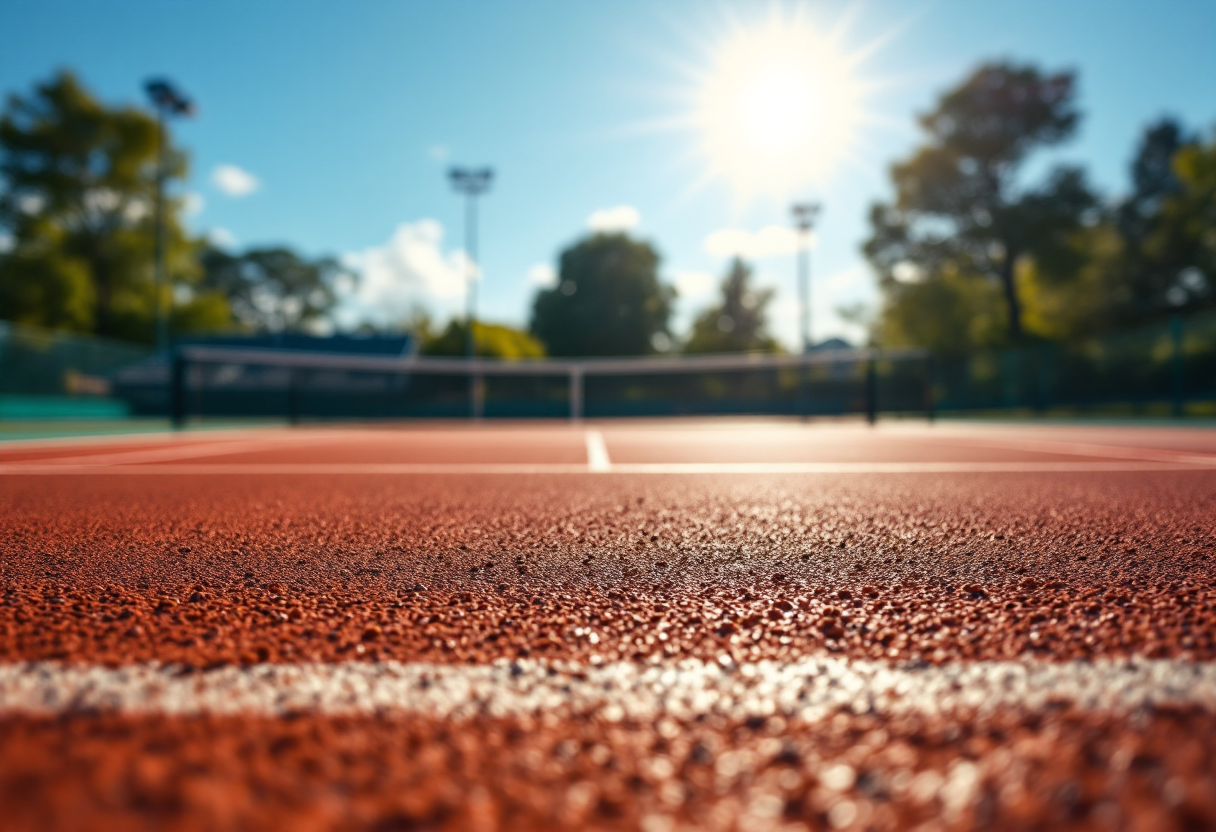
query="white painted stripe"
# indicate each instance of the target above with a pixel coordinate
(810, 689)
(597, 453)
(1085, 449)
(135, 438)
(713, 468)
(188, 450)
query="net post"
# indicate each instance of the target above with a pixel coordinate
(293, 395)
(177, 389)
(1176, 368)
(804, 383)
(576, 394)
(872, 389)
(477, 394)
(930, 404)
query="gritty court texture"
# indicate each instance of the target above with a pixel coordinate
(633, 625)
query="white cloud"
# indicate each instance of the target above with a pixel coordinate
(193, 203)
(439, 152)
(770, 241)
(234, 181)
(542, 275)
(221, 238)
(410, 268)
(618, 218)
(7, 242)
(692, 284)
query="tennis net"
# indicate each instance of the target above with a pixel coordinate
(227, 382)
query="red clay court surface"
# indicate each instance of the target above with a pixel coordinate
(650, 625)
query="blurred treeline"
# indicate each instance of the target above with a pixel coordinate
(77, 197)
(985, 247)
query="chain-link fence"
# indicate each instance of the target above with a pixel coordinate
(46, 374)
(1165, 367)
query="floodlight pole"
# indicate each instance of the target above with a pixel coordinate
(804, 214)
(168, 101)
(472, 183)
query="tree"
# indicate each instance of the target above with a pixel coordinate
(273, 289)
(493, 341)
(78, 180)
(1167, 261)
(1142, 277)
(1186, 235)
(951, 314)
(960, 207)
(1153, 179)
(738, 323)
(608, 300)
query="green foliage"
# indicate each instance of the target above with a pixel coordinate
(77, 204)
(952, 314)
(608, 300)
(493, 341)
(1057, 310)
(1145, 269)
(273, 289)
(738, 323)
(961, 211)
(43, 290)
(1185, 237)
(201, 312)
(1153, 255)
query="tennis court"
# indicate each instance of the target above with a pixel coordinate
(723, 624)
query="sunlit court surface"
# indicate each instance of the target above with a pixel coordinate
(741, 416)
(657, 624)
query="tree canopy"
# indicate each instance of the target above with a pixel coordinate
(76, 210)
(493, 341)
(608, 300)
(1177, 254)
(962, 209)
(273, 289)
(738, 322)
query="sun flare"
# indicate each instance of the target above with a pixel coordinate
(779, 108)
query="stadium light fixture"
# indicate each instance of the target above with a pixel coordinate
(472, 183)
(804, 214)
(168, 102)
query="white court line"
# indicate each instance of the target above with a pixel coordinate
(711, 468)
(186, 451)
(1085, 449)
(134, 438)
(597, 453)
(810, 689)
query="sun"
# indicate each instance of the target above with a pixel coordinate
(778, 108)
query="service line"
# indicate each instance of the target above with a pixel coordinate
(809, 689)
(712, 468)
(187, 450)
(1082, 449)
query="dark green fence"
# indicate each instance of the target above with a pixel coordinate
(54, 375)
(1168, 366)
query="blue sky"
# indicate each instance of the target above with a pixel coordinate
(345, 117)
